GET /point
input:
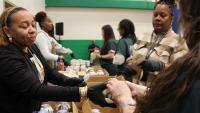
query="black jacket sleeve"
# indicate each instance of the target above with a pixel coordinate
(17, 76)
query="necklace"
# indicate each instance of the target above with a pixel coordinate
(155, 41)
(38, 66)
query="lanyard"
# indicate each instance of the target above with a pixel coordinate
(155, 41)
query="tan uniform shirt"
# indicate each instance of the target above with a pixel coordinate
(165, 48)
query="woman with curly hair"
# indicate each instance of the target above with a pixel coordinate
(46, 42)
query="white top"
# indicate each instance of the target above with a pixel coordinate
(43, 41)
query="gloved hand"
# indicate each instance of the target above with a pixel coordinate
(118, 59)
(83, 83)
(98, 56)
(68, 51)
(95, 94)
(152, 65)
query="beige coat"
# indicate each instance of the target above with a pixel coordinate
(170, 48)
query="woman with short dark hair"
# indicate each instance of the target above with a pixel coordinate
(156, 50)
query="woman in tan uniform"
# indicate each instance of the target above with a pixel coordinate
(157, 50)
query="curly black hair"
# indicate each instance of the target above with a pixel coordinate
(40, 17)
(169, 3)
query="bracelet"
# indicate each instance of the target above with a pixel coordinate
(83, 91)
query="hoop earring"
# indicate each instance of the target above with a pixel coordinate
(10, 39)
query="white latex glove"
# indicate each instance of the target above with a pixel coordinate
(118, 59)
(93, 56)
(98, 56)
(68, 51)
(86, 77)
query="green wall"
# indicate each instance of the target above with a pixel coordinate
(79, 47)
(127, 4)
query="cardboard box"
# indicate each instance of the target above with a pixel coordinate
(88, 106)
(100, 79)
(74, 108)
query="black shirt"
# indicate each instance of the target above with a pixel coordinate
(111, 45)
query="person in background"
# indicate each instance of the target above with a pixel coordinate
(176, 90)
(25, 72)
(175, 23)
(128, 38)
(46, 43)
(108, 50)
(93, 46)
(157, 50)
(176, 14)
(94, 50)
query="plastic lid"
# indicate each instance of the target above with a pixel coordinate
(96, 111)
(62, 111)
(43, 111)
(45, 105)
